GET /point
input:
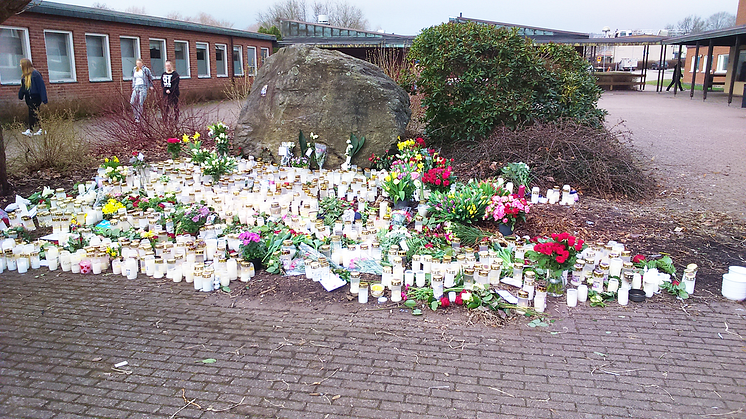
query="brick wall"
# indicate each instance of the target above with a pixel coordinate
(84, 89)
(702, 64)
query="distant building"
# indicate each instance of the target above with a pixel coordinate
(85, 52)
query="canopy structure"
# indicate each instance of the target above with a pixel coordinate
(735, 38)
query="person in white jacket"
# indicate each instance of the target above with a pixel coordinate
(142, 81)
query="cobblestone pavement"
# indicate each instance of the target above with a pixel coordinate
(60, 336)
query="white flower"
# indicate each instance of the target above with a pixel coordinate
(47, 192)
(141, 157)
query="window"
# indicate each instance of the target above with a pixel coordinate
(237, 61)
(741, 66)
(695, 63)
(221, 62)
(14, 45)
(265, 54)
(130, 47)
(157, 56)
(203, 60)
(722, 64)
(60, 60)
(181, 58)
(99, 61)
(251, 58)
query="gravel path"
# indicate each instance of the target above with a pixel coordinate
(697, 149)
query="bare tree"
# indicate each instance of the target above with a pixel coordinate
(8, 8)
(136, 10)
(102, 6)
(201, 18)
(691, 24)
(721, 20)
(286, 9)
(340, 13)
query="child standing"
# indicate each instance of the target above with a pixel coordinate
(170, 84)
(34, 92)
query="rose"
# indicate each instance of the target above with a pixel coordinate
(444, 301)
(638, 259)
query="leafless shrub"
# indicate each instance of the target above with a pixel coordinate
(59, 148)
(116, 133)
(599, 162)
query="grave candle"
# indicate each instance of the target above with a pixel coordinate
(582, 293)
(468, 278)
(387, 275)
(396, 290)
(522, 302)
(623, 296)
(420, 279)
(495, 272)
(572, 297)
(437, 285)
(362, 295)
(613, 285)
(355, 283)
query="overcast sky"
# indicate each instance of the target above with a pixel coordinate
(409, 16)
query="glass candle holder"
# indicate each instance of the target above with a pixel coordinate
(396, 290)
(572, 297)
(582, 293)
(409, 277)
(468, 278)
(437, 285)
(598, 281)
(420, 279)
(362, 295)
(528, 283)
(355, 282)
(522, 304)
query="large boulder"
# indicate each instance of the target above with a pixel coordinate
(325, 92)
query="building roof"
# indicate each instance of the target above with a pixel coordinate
(534, 32)
(80, 12)
(720, 37)
(299, 32)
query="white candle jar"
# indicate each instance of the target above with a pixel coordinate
(362, 295)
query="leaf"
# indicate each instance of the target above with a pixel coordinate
(417, 312)
(225, 289)
(600, 354)
(209, 361)
(537, 323)
(336, 397)
(410, 303)
(434, 305)
(302, 142)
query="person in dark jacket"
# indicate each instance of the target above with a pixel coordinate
(170, 84)
(676, 81)
(34, 92)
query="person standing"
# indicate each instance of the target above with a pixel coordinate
(170, 84)
(676, 81)
(142, 81)
(34, 92)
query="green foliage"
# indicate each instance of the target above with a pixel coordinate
(271, 31)
(518, 173)
(331, 209)
(356, 143)
(678, 290)
(476, 77)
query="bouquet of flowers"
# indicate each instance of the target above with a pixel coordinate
(252, 246)
(191, 219)
(556, 253)
(507, 209)
(466, 204)
(219, 132)
(518, 173)
(173, 147)
(401, 182)
(216, 166)
(439, 178)
(113, 170)
(111, 208)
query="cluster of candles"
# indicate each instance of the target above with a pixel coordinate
(284, 194)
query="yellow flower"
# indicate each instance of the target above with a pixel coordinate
(106, 160)
(196, 135)
(148, 235)
(185, 138)
(116, 159)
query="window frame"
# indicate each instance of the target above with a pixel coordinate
(25, 44)
(262, 58)
(251, 71)
(239, 49)
(224, 47)
(107, 56)
(126, 75)
(165, 53)
(188, 75)
(206, 45)
(722, 59)
(71, 49)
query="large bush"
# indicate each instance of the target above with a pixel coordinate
(477, 77)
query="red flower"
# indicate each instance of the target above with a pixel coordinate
(161, 205)
(638, 259)
(173, 141)
(444, 302)
(458, 300)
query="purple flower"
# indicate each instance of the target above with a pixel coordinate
(195, 218)
(249, 237)
(204, 211)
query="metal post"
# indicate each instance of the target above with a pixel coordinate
(643, 78)
(694, 73)
(734, 60)
(681, 74)
(659, 79)
(708, 76)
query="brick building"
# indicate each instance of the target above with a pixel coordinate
(88, 53)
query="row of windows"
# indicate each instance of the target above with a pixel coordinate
(701, 61)
(14, 45)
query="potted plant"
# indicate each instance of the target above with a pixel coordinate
(555, 254)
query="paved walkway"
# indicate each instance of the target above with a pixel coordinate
(60, 336)
(697, 147)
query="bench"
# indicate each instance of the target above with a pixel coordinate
(710, 80)
(613, 79)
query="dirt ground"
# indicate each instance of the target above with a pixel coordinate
(695, 150)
